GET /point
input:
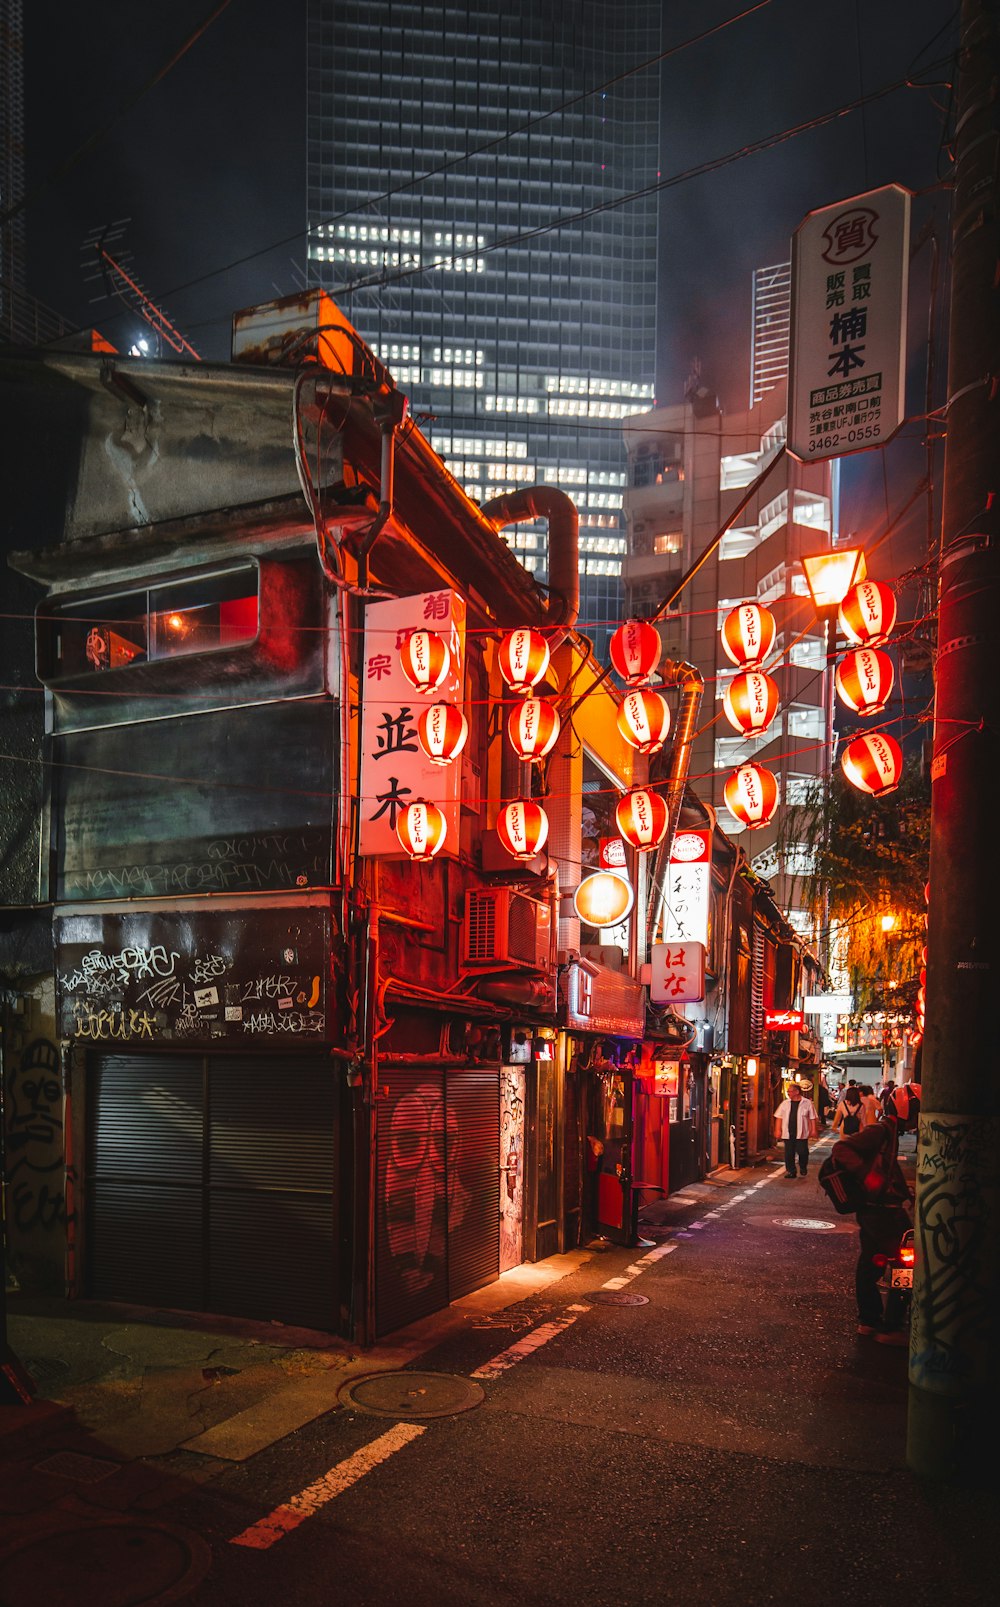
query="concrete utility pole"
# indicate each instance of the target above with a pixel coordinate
(954, 1373)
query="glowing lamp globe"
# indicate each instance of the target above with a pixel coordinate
(868, 613)
(642, 819)
(751, 702)
(864, 680)
(751, 795)
(748, 635)
(644, 720)
(603, 899)
(873, 763)
(523, 659)
(426, 660)
(533, 727)
(421, 829)
(522, 828)
(635, 651)
(442, 731)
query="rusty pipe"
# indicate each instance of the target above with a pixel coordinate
(554, 506)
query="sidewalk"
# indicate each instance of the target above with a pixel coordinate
(133, 1402)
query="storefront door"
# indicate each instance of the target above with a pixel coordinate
(437, 1190)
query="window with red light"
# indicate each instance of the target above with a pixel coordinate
(206, 613)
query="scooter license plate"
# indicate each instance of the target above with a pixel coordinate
(902, 1278)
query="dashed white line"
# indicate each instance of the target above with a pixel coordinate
(267, 1531)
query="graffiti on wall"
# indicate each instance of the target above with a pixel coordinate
(38, 1196)
(143, 980)
(512, 1085)
(957, 1201)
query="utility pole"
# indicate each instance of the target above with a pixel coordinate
(954, 1412)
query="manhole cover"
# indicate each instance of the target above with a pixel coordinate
(810, 1223)
(43, 1369)
(412, 1394)
(120, 1563)
(75, 1465)
(617, 1297)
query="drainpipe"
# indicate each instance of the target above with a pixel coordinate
(546, 502)
(692, 685)
(562, 609)
(387, 465)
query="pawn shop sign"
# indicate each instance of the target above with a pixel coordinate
(677, 973)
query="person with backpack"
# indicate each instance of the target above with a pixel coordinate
(848, 1117)
(862, 1176)
(795, 1123)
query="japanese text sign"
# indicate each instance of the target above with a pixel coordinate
(848, 352)
(783, 1020)
(688, 885)
(678, 973)
(667, 1078)
(395, 771)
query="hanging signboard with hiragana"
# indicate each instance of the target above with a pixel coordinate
(846, 389)
(395, 769)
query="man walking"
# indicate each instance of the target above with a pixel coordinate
(795, 1123)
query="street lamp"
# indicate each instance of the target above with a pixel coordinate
(830, 576)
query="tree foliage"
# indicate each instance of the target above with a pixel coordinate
(870, 859)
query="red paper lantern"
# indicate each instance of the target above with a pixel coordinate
(442, 731)
(644, 720)
(421, 829)
(533, 727)
(751, 702)
(522, 828)
(426, 660)
(751, 795)
(868, 613)
(642, 818)
(635, 651)
(864, 680)
(524, 658)
(748, 635)
(873, 763)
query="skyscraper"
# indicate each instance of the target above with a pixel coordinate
(769, 329)
(464, 165)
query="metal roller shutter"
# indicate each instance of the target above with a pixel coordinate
(411, 1276)
(473, 1102)
(144, 1172)
(271, 1242)
(211, 1184)
(438, 1190)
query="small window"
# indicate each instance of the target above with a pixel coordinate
(203, 614)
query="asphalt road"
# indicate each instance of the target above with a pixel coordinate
(723, 1438)
(731, 1440)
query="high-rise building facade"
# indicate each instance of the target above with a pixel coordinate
(769, 329)
(463, 162)
(11, 164)
(689, 467)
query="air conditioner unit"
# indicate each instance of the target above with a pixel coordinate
(506, 930)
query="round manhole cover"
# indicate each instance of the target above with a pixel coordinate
(403, 1395)
(812, 1224)
(617, 1297)
(119, 1562)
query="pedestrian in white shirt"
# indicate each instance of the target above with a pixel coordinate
(795, 1123)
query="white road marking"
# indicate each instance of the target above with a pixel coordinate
(524, 1347)
(267, 1531)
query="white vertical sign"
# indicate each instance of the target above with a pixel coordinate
(688, 888)
(395, 771)
(846, 377)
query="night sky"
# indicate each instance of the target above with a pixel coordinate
(210, 164)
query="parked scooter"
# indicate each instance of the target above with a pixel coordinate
(896, 1281)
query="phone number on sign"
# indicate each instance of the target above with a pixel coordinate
(861, 432)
